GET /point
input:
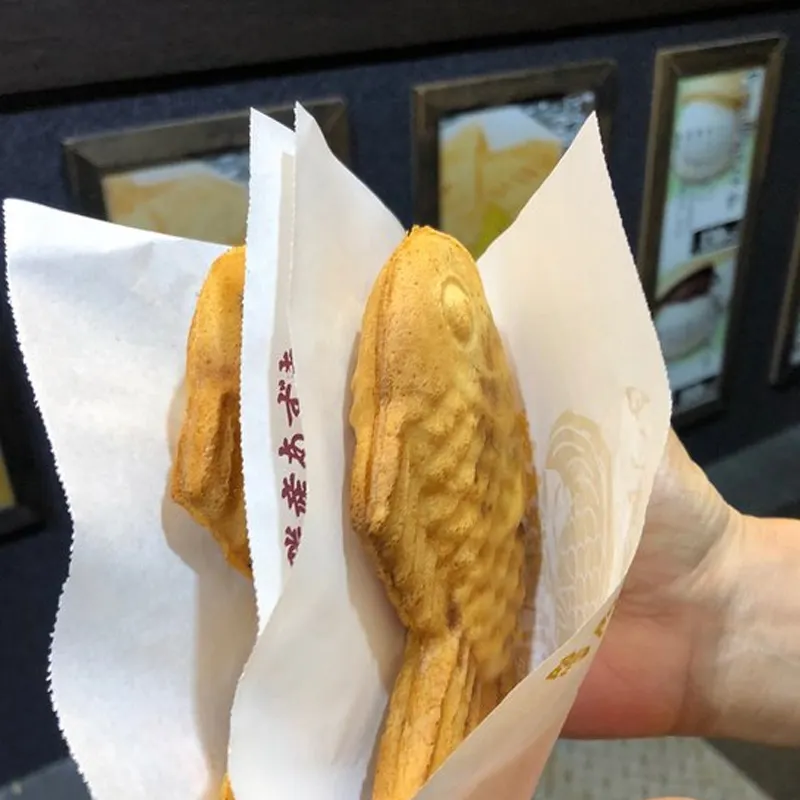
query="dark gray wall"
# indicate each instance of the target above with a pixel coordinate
(32, 569)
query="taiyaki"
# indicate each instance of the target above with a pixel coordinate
(441, 482)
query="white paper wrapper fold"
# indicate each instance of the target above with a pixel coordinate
(566, 296)
(154, 628)
(265, 337)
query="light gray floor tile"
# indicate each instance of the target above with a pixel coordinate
(59, 781)
(640, 770)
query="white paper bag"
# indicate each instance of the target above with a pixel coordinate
(153, 627)
(266, 360)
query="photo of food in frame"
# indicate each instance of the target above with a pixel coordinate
(784, 368)
(691, 315)
(794, 355)
(6, 492)
(715, 126)
(201, 198)
(708, 184)
(491, 161)
(187, 178)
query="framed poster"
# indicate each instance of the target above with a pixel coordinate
(483, 146)
(785, 367)
(15, 515)
(186, 178)
(710, 129)
(6, 492)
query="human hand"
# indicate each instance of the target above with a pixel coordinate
(642, 681)
(704, 640)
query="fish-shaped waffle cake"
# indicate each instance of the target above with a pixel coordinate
(225, 792)
(207, 475)
(441, 481)
(207, 478)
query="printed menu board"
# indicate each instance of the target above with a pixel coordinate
(794, 353)
(6, 492)
(202, 199)
(713, 146)
(491, 161)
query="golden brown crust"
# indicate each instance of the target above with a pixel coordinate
(225, 791)
(416, 720)
(455, 706)
(440, 482)
(207, 478)
(207, 475)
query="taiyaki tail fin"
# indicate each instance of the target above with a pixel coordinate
(225, 792)
(206, 478)
(487, 695)
(427, 716)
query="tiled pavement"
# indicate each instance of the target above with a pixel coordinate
(624, 770)
(635, 770)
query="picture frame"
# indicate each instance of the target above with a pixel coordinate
(710, 131)
(16, 519)
(785, 365)
(111, 175)
(19, 491)
(543, 108)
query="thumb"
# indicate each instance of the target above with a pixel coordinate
(686, 516)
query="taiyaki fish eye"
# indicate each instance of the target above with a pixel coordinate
(457, 309)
